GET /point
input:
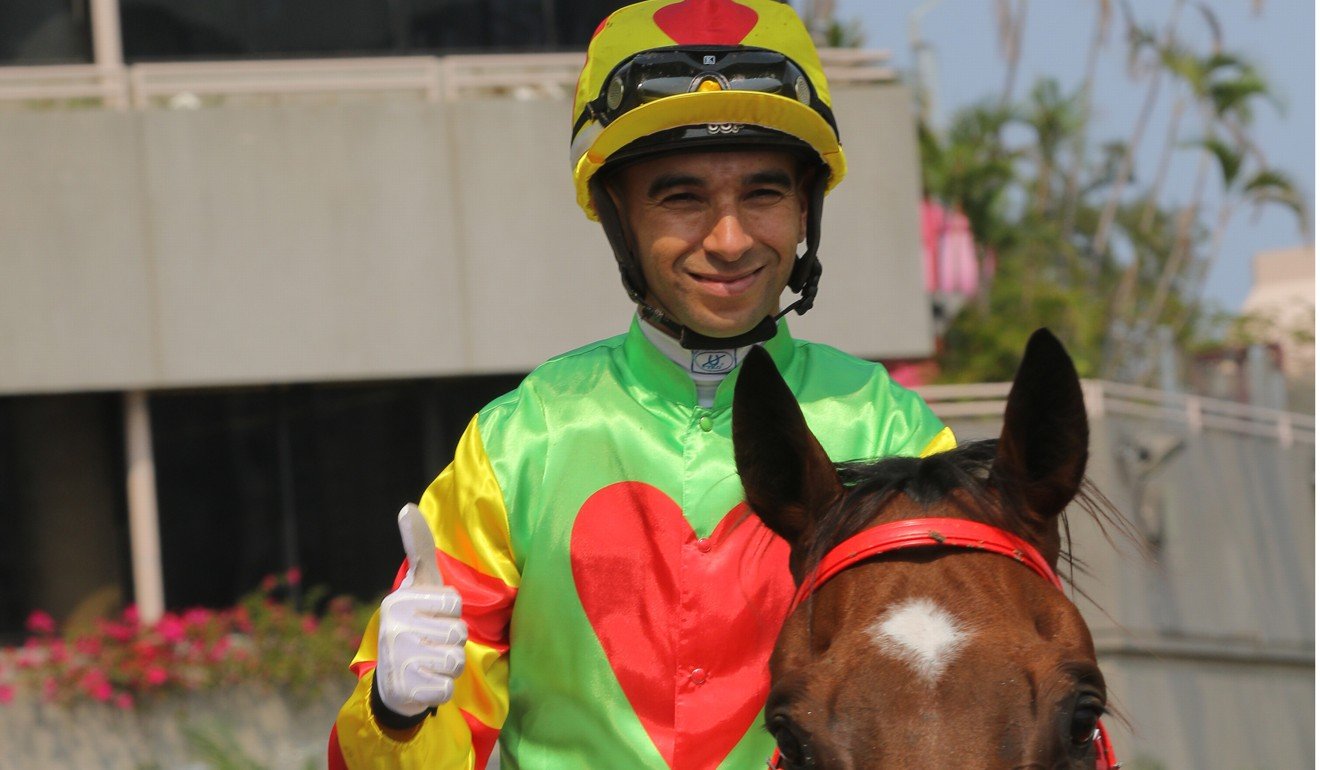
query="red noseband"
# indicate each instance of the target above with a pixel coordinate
(943, 532)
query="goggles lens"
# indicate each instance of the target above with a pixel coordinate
(655, 75)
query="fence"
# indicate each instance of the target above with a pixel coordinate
(426, 78)
(1195, 413)
(1204, 621)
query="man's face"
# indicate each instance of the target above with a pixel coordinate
(715, 233)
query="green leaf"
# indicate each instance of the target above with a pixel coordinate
(1230, 159)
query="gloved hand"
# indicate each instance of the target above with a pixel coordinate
(420, 647)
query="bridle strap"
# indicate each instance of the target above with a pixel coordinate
(924, 533)
(944, 533)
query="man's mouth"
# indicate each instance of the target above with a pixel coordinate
(727, 286)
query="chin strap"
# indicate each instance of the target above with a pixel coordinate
(805, 278)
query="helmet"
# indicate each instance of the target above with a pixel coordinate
(691, 75)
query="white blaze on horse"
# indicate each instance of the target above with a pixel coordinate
(929, 629)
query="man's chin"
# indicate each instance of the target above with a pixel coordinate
(726, 330)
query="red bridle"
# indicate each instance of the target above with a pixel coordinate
(924, 533)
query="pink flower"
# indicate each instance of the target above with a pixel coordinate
(217, 652)
(40, 622)
(145, 651)
(171, 628)
(131, 615)
(96, 685)
(293, 577)
(124, 701)
(309, 624)
(29, 656)
(88, 645)
(156, 676)
(196, 616)
(242, 620)
(6, 693)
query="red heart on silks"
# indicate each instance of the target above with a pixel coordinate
(687, 623)
(706, 22)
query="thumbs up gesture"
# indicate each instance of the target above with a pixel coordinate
(420, 648)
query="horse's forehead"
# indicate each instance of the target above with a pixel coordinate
(921, 633)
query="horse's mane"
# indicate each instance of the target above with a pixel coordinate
(872, 484)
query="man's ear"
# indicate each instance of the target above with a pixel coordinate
(788, 478)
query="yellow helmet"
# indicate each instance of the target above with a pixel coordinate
(689, 75)
(664, 74)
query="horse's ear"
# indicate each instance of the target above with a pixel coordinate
(787, 476)
(1043, 447)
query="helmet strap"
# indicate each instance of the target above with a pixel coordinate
(629, 269)
(805, 278)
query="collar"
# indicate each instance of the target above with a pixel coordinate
(701, 365)
(655, 370)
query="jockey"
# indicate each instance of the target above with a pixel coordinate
(618, 605)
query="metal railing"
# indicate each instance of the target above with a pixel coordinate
(1196, 413)
(426, 78)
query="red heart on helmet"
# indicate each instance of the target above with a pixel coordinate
(706, 22)
(686, 623)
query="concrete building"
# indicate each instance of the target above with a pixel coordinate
(1281, 306)
(247, 306)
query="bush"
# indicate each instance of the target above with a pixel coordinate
(267, 637)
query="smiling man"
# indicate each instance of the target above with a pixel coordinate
(608, 601)
(715, 234)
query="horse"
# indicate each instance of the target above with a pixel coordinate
(913, 642)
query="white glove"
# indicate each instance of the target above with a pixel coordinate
(420, 650)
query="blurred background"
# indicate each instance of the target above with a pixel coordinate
(263, 259)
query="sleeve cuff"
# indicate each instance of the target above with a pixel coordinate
(390, 719)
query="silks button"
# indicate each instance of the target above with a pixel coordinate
(698, 676)
(703, 544)
(706, 423)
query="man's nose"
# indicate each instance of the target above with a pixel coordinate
(728, 239)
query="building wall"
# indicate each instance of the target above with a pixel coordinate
(368, 240)
(1203, 615)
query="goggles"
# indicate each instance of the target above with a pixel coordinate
(654, 75)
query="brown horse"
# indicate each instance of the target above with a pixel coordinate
(928, 648)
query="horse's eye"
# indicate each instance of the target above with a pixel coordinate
(1085, 717)
(794, 747)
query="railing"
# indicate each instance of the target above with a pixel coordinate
(64, 83)
(153, 84)
(1195, 412)
(426, 78)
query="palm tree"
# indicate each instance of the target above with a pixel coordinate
(1140, 43)
(1104, 16)
(1011, 23)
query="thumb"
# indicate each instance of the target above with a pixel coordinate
(419, 546)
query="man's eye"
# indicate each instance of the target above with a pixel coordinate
(679, 198)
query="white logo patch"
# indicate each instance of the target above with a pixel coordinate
(714, 361)
(920, 633)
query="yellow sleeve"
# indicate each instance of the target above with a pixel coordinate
(942, 442)
(465, 509)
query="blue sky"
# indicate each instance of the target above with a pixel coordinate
(1280, 40)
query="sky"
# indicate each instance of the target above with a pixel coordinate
(1280, 39)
